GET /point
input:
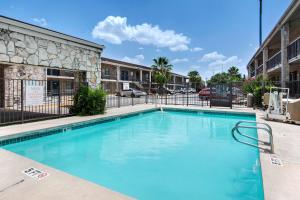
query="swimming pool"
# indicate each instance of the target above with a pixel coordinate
(156, 155)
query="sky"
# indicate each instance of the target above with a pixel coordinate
(204, 35)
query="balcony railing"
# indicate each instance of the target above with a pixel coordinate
(252, 73)
(109, 76)
(259, 70)
(274, 61)
(130, 78)
(294, 49)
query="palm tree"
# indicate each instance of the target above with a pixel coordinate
(234, 74)
(162, 71)
(233, 71)
(195, 79)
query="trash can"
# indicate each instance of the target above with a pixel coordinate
(250, 100)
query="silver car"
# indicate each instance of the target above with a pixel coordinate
(132, 93)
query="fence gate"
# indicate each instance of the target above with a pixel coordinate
(221, 95)
(31, 100)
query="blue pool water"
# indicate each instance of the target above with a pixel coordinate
(157, 155)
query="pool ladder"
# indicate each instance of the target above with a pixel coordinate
(254, 125)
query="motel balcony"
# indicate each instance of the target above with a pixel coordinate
(294, 51)
(259, 70)
(130, 78)
(109, 76)
(274, 62)
(252, 74)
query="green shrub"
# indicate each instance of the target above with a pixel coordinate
(257, 87)
(89, 101)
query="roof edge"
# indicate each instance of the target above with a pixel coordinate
(49, 32)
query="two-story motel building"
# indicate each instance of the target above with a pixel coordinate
(278, 58)
(114, 73)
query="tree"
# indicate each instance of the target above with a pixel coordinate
(219, 78)
(162, 71)
(234, 74)
(195, 79)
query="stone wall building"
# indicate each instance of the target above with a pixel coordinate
(35, 53)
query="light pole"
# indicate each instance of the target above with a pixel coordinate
(260, 22)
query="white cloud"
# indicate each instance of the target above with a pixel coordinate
(217, 62)
(195, 49)
(141, 48)
(178, 60)
(138, 59)
(114, 29)
(194, 67)
(213, 56)
(40, 21)
(228, 62)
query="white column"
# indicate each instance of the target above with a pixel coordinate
(150, 76)
(285, 68)
(249, 71)
(265, 59)
(255, 66)
(141, 75)
(118, 77)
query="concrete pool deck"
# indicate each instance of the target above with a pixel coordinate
(280, 182)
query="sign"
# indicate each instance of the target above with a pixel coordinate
(34, 95)
(35, 173)
(125, 86)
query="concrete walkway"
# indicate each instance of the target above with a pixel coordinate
(15, 185)
(280, 182)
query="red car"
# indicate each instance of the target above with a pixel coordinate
(205, 93)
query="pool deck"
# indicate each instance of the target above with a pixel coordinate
(280, 182)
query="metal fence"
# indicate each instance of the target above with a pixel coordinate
(30, 100)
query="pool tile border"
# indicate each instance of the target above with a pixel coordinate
(23, 136)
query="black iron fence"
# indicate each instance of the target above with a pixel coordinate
(29, 100)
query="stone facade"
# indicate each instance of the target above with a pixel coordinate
(33, 51)
(25, 72)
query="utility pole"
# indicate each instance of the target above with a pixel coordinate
(260, 22)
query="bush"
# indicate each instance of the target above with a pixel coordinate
(257, 87)
(89, 101)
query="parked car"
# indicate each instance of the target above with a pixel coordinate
(235, 91)
(205, 93)
(161, 91)
(132, 93)
(183, 90)
(192, 90)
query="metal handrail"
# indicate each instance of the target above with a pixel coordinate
(263, 126)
